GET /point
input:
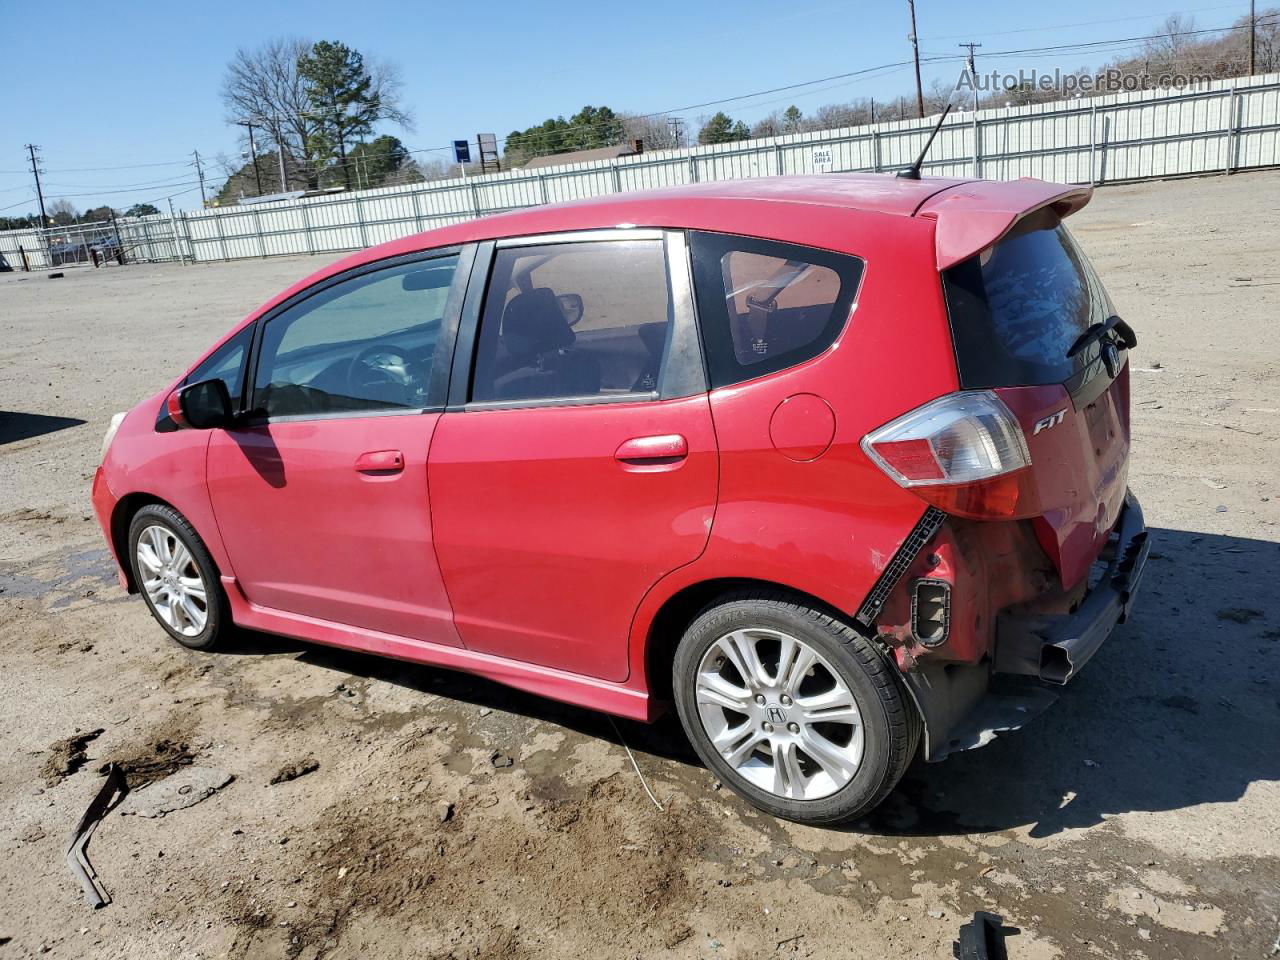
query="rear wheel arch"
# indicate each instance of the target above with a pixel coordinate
(678, 612)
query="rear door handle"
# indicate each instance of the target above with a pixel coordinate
(380, 461)
(667, 448)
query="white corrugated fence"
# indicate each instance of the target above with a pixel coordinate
(1223, 126)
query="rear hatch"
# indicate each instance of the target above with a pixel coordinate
(1031, 321)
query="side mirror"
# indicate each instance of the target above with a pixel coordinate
(571, 307)
(429, 278)
(201, 406)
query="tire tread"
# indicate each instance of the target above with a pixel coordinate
(219, 609)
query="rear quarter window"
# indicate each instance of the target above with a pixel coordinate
(765, 306)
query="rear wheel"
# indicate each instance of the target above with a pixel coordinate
(792, 708)
(177, 577)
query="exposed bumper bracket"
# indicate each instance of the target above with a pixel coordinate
(965, 706)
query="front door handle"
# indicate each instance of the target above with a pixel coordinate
(380, 461)
(668, 448)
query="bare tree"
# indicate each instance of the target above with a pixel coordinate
(768, 126)
(62, 212)
(1267, 45)
(833, 115)
(1170, 49)
(262, 86)
(653, 130)
(387, 84)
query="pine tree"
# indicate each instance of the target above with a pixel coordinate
(344, 106)
(721, 129)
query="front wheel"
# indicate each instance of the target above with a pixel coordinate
(177, 577)
(792, 708)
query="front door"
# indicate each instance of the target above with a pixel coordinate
(321, 495)
(579, 464)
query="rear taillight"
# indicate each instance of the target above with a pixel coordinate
(964, 453)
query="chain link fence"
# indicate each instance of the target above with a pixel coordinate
(153, 239)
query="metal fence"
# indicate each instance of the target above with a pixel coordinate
(1224, 126)
(124, 240)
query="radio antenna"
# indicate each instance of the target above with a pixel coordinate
(913, 172)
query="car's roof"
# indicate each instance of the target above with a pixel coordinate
(871, 192)
(699, 205)
(818, 210)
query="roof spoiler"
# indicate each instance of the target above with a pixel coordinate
(972, 216)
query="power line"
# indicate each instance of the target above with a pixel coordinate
(1083, 23)
(142, 185)
(104, 193)
(128, 166)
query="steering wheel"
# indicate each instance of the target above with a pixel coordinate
(380, 372)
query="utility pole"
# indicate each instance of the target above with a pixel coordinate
(1253, 30)
(284, 179)
(676, 126)
(35, 172)
(253, 152)
(273, 124)
(200, 173)
(973, 71)
(915, 51)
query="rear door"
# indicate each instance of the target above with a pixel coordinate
(321, 494)
(1019, 312)
(576, 465)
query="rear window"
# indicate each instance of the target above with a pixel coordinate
(1017, 307)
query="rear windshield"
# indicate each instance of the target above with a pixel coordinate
(1016, 308)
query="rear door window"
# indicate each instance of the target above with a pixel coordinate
(588, 320)
(1016, 308)
(765, 306)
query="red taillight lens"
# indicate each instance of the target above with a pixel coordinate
(964, 453)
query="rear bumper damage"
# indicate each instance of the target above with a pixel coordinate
(1054, 648)
(966, 705)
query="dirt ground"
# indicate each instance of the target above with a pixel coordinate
(434, 815)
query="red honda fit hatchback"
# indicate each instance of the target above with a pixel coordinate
(836, 464)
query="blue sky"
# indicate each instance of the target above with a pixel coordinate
(136, 82)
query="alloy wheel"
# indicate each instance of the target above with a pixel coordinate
(778, 713)
(172, 581)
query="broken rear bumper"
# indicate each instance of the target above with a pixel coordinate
(964, 706)
(1054, 648)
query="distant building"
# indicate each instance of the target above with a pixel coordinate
(628, 149)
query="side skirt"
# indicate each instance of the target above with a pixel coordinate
(544, 681)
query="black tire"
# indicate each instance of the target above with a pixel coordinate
(218, 616)
(891, 726)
